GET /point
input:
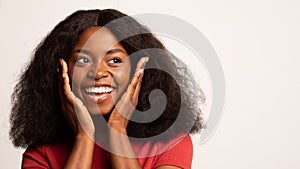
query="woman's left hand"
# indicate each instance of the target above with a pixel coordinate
(123, 110)
(123, 155)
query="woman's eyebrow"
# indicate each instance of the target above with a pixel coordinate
(112, 51)
(84, 51)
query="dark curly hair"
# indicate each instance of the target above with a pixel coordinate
(36, 116)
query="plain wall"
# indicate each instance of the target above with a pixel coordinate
(257, 43)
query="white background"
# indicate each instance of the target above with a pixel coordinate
(257, 43)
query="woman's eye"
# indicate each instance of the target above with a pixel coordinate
(115, 60)
(82, 60)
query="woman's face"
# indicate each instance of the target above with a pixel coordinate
(99, 69)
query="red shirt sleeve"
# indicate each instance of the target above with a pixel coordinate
(35, 158)
(180, 155)
(46, 156)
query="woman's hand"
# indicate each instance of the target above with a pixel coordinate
(74, 110)
(80, 121)
(123, 155)
(123, 110)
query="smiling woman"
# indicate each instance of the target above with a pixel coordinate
(103, 64)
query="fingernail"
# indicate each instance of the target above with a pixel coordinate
(140, 71)
(146, 59)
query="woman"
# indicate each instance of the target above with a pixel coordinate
(103, 64)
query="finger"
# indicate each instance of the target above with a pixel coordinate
(64, 67)
(137, 76)
(66, 82)
(137, 90)
(61, 87)
(64, 70)
(61, 82)
(134, 82)
(141, 63)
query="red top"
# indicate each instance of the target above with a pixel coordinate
(55, 155)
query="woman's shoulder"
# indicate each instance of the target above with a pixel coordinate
(182, 143)
(52, 155)
(177, 151)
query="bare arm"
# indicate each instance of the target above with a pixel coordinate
(82, 153)
(122, 154)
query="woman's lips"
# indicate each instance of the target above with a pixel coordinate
(98, 94)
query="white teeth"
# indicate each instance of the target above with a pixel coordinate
(98, 90)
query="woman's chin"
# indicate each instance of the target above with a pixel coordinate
(98, 111)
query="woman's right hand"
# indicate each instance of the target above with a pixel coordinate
(73, 108)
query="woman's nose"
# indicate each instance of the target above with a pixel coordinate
(99, 72)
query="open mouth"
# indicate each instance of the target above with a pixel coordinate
(99, 94)
(99, 90)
